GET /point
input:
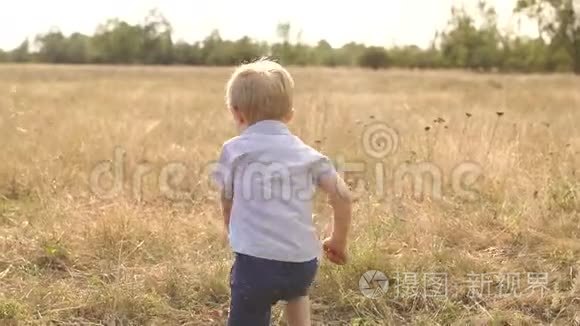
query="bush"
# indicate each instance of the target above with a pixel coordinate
(374, 57)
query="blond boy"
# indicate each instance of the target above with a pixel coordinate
(268, 177)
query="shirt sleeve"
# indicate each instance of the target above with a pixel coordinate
(321, 168)
(222, 174)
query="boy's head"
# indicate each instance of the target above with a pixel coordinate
(260, 90)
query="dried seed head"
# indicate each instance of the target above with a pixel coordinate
(427, 128)
(499, 113)
(468, 115)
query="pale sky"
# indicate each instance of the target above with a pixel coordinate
(373, 22)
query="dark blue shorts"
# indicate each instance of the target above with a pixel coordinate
(257, 284)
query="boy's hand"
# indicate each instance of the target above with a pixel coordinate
(225, 239)
(335, 251)
(340, 199)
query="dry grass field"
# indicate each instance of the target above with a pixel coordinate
(153, 252)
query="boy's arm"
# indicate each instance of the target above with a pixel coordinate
(340, 199)
(222, 178)
(226, 211)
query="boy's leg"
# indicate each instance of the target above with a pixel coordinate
(251, 301)
(243, 312)
(297, 312)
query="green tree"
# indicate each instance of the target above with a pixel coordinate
(350, 53)
(374, 57)
(283, 32)
(52, 47)
(559, 21)
(325, 55)
(157, 41)
(471, 41)
(213, 50)
(466, 45)
(246, 50)
(21, 53)
(525, 55)
(118, 42)
(284, 51)
(78, 49)
(187, 54)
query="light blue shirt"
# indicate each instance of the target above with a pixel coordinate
(272, 176)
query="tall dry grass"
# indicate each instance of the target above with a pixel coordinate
(68, 256)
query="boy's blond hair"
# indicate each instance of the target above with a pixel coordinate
(261, 90)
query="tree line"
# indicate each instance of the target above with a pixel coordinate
(470, 41)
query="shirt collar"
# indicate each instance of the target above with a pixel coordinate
(268, 127)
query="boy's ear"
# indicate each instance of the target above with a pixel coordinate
(289, 116)
(238, 116)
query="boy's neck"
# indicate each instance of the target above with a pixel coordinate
(272, 126)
